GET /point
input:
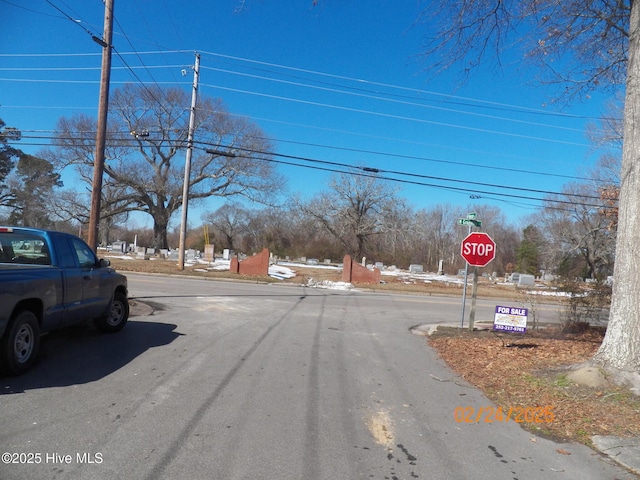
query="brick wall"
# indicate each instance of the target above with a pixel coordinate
(256, 265)
(353, 272)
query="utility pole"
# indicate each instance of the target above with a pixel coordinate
(101, 134)
(187, 164)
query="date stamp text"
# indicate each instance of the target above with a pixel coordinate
(498, 414)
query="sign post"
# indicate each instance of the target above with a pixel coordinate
(470, 222)
(478, 249)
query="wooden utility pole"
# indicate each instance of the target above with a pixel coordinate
(101, 134)
(187, 165)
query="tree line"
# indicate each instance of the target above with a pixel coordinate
(356, 213)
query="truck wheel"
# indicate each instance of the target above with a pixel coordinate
(20, 343)
(117, 317)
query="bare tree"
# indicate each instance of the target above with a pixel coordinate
(434, 236)
(582, 45)
(353, 210)
(145, 153)
(578, 230)
(230, 221)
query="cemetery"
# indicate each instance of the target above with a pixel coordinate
(270, 268)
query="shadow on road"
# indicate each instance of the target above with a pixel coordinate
(81, 354)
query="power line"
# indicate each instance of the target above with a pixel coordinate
(468, 101)
(393, 116)
(401, 102)
(408, 89)
(333, 167)
(435, 160)
(77, 22)
(371, 152)
(419, 176)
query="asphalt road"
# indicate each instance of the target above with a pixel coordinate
(247, 381)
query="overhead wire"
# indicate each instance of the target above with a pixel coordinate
(401, 102)
(392, 116)
(446, 97)
(487, 104)
(387, 154)
(338, 167)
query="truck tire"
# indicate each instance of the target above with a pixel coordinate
(117, 317)
(20, 344)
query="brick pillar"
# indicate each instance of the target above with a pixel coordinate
(346, 269)
(256, 265)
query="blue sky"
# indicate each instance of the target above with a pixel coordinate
(341, 82)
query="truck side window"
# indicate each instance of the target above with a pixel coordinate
(66, 256)
(86, 258)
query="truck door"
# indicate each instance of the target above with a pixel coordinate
(95, 298)
(72, 280)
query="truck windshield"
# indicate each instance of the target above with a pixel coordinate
(23, 249)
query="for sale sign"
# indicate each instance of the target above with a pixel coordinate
(511, 319)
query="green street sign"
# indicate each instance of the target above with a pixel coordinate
(472, 216)
(469, 221)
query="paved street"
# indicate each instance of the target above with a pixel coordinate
(246, 381)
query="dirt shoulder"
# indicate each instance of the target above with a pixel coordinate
(535, 370)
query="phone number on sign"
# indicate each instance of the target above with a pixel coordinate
(498, 414)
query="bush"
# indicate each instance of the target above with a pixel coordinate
(586, 304)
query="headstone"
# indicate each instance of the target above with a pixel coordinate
(440, 269)
(526, 280)
(379, 265)
(119, 246)
(415, 268)
(209, 254)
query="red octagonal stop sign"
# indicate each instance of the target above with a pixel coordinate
(478, 249)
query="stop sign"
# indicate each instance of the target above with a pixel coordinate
(478, 249)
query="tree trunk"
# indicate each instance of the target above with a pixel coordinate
(621, 346)
(160, 234)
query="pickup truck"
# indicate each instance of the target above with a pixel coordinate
(50, 280)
